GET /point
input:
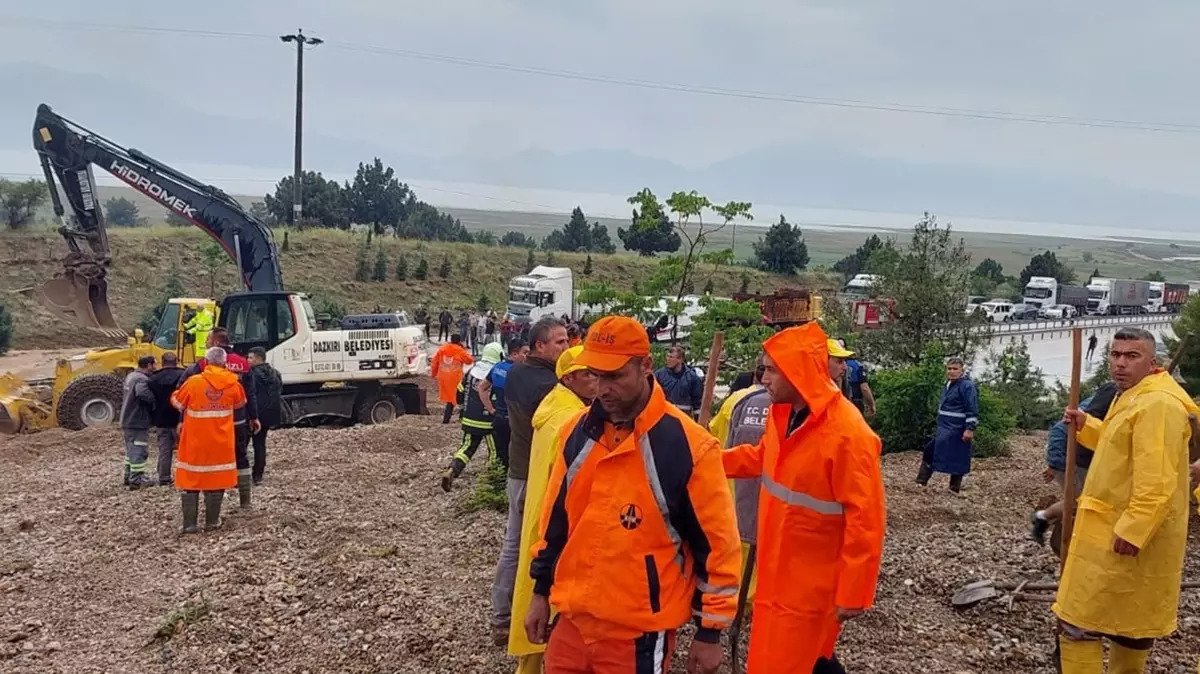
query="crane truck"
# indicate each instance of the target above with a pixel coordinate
(364, 372)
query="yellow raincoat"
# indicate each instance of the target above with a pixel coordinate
(556, 410)
(1137, 489)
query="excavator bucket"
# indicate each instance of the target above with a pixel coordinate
(80, 300)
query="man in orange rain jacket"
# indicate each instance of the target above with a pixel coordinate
(206, 460)
(821, 508)
(638, 532)
(447, 367)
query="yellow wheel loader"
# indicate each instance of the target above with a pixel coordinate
(86, 389)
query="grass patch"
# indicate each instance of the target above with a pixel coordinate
(180, 617)
(490, 492)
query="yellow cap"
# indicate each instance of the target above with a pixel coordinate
(566, 362)
(836, 350)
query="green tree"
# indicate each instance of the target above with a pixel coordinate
(176, 220)
(213, 256)
(324, 202)
(486, 237)
(19, 201)
(1023, 387)
(362, 265)
(709, 287)
(444, 268)
(517, 240)
(587, 266)
(6, 330)
(329, 310)
(574, 236)
(259, 211)
(601, 241)
(550, 259)
(744, 334)
(651, 231)
(782, 250)
(122, 212)
(1155, 276)
(381, 266)
(483, 302)
(598, 295)
(422, 272)
(1088, 257)
(1095, 273)
(530, 261)
(377, 198)
(1189, 323)
(402, 268)
(990, 270)
(856, 263)
(285, 245)
(744, 284)
(926, 283)
(732, 212)
(1047, 264)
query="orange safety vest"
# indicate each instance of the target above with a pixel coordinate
(638, 534)
(206, 457)
(447, 368)
(821, 514)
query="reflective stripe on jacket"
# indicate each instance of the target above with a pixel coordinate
(640, 536)
(205, 460)
(447, 368)
(820, 511)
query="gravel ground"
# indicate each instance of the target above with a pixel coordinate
(353, 560)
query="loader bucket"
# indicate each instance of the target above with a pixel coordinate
(10, 424)
(80, 300)
(20, 409)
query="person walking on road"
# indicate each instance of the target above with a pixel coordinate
(268, 391)
(491, 393)
(1091, 346)
(821, 517)
(638, 498)
(477, 420)
(163, 383)
(575, 390)
(957, 417)
(1124, 566)
(680, 383)
(526, 386)
(207, 440)
(137, 414)
(447, 368)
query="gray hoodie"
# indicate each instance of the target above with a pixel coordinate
(137, 402)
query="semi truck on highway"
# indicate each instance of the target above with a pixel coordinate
(1111, 297)
(1167, 298)
(1046, 291)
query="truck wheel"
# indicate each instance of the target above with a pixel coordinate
(378, 407)
(90, 400)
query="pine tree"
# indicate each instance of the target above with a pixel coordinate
(402, 268)
(587, 266)
(362, 266)
(285, 242)
(422, 272)
(530, 261)
(550, 259)
(444, 268)
(6, 330)
(381, 266)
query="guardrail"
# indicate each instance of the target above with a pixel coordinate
(1025, 327)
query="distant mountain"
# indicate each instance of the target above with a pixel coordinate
(812, 175)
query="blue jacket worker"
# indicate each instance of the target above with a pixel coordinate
(680, 383)
(957, 417)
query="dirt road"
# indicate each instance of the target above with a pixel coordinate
(355, 561)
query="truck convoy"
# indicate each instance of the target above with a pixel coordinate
(1111, 297)
(364, 372)
(1167, 298)
(1046, 291)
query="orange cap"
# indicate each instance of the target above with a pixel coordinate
(611, 342)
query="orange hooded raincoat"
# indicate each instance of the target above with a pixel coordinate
(821, 511)
(447, 368)
(206, 401)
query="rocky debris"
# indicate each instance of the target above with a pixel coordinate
(353, 560)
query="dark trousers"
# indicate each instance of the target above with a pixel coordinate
(502, 433)
(241, 440)
(443, 333)
(260, 453)
(926, 471)
(446, 414)
(466, 450)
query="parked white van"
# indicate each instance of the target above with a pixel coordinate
(997, 311)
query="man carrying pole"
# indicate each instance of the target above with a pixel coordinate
(1124, 560)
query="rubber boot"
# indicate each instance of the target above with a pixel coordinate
(446, 414)
(925, 473)
(455, 469)
(1081, 657)
(191, 511)
(828, 666)
(956, 483)
(244, 482)
(212, 509)
(126, 481)
(1123, 660)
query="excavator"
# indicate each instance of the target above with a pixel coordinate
(364, 372)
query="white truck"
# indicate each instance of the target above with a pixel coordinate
(1110, 297)
(544, 291)
(859, 287)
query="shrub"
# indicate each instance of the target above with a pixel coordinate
(491, 490)
(1023, 389)
(381, 266)
(996, 424)
(329, 309)
(444, 268)
(422, 272)
(6, 330)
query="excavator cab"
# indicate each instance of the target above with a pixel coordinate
(172, 333)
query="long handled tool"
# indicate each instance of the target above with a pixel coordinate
(710, 377)
(1068, 520)
(735, 630)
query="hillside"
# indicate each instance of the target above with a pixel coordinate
(318, 262)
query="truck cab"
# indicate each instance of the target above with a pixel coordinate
(1041, 291)
(544, 291)
(859, 287)
(1098, 296)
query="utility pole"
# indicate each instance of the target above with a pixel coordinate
(297, 194)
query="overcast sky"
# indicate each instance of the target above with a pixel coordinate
(1098, 60)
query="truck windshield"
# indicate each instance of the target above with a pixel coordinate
(167, 329)
(522, 296)
(1155, 294)
(1037, 293)
(1096, 294)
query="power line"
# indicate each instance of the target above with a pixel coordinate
(766, 96)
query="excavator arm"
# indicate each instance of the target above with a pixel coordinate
(68, 152)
